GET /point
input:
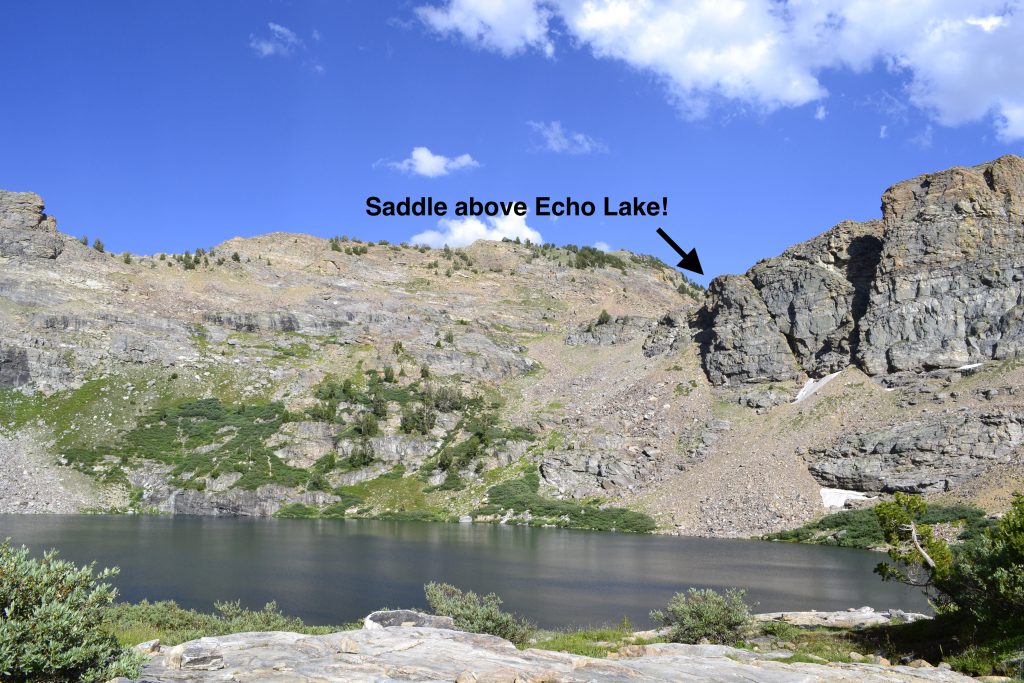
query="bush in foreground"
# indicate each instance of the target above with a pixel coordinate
(478, 614)
(50, 615)
(705, 614)
(976, 587)
(983, 580)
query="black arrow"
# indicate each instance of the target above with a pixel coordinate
(690, 260)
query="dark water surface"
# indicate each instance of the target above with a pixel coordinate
(335, 571)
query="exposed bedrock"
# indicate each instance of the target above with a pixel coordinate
(936, 283)
(924, 456)
(25, 231)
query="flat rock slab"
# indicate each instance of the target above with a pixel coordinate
(427, 654)
(406, 617)
(858, 618)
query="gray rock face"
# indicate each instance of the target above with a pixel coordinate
(921, 457)
(406, 618)
(584, 473)
(936, 283)
(14, 367)
(218, 499)
(817, 291)
(196, 655)
(948, 290)
(739, 340)
(25, 231)
(427, 654)
(667, 336)
(616, 331)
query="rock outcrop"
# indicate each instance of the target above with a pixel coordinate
(25, 231)
(938, 282)
(949, 287)
(431, 654)
(925, 456)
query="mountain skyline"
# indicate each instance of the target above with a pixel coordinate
(171, 127)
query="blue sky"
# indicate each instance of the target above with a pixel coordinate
(163, 126)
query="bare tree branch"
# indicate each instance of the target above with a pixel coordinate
(912, 528)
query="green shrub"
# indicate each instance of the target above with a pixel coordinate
(366, 424)
(297, 511)
(986, 579)
(477, 614)
(783, 630)
(418, 420)
(705, 614)
(604, 318)
(861, 529)
(172, 624)
(362, 455)
(50, 612)
(445, 399)
(452, 482)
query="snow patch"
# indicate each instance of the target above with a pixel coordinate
(970, 366)
(836, 498)
(813, 385)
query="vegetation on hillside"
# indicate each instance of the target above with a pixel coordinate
(861, 528)
(523, 495)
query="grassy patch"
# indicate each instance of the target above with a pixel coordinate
(172, 624)
(391, 494)
(597, 642)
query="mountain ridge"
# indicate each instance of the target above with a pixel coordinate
(502, 379)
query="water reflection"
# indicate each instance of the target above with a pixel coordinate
(329, 571)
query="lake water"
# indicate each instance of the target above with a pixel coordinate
(335, 571)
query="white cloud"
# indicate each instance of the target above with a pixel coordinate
(425, 163)
(923, 139)
(554, 138)
(507, 26)
(462, 231)
(958, 59)
(602, 246)
(820, 113)
(281, 42)
(883, 132)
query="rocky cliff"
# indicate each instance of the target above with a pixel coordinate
(936, 283)
(918, 300)
(287, 374)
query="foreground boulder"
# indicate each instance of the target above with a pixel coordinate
(390, 618)
(427, 654)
